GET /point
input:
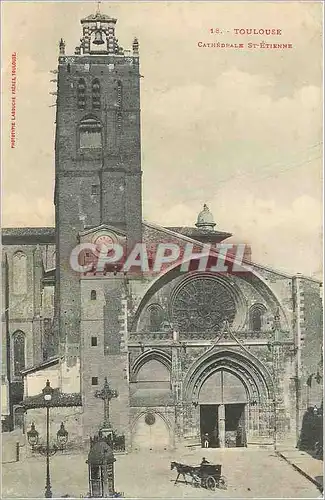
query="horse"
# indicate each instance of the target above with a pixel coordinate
(182, 470)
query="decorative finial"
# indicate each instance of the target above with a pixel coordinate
(98, 7)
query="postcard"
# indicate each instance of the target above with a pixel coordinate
(162, 249)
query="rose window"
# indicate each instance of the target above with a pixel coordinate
(203, 304)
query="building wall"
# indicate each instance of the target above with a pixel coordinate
(25, 262)
(103, 319)
(35, 381)
(311, 339)
(71, 418)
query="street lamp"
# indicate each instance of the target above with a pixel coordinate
(32, 436)
(62, 436)
(47, 394)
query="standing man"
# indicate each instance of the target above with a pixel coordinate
(206, 440)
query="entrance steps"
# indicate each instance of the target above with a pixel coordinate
(261, 445)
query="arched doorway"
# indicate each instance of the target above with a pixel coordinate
(150, 432)
(223, 400)
(229, 391)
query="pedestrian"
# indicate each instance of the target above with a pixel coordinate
(206, 440)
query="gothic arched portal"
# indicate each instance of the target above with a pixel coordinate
(229, 393)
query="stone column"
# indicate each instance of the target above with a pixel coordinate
(177, 396)
(222, 425)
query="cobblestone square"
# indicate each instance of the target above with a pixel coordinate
(250, 474)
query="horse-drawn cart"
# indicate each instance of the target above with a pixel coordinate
(205, 475)
(209, 476)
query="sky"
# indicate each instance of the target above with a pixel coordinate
(240, 130)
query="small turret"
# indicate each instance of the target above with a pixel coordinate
(62, 47)
(135, 47)
(205, 219)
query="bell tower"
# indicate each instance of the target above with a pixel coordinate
(97, 156)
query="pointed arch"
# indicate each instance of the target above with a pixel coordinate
(19, 273)
(224, 371)
(158, 435)
(254, 278)
(156, 317)
(252, 372)
(150, 380)
(152, 355)
(256, 313)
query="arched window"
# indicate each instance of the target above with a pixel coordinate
(18, 339)
(19, 273)
(81, 93)
(90, 131)
(256, 314)
(156, 317)
(93, 295)
(95, 89)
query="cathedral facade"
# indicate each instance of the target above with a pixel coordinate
(191, 353)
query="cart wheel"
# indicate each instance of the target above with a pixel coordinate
(210, 483)
(222, 483)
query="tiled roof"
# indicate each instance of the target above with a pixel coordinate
(49, 362)
(59, 399)
(195, 233)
